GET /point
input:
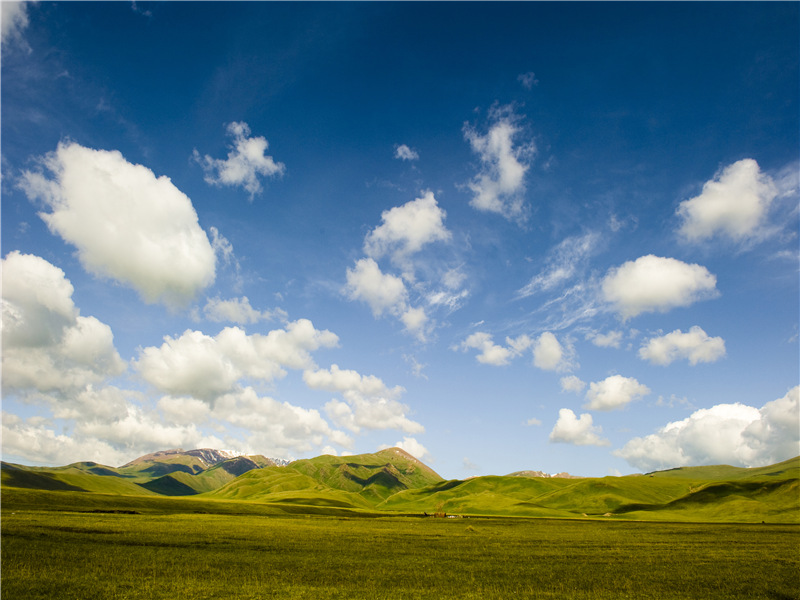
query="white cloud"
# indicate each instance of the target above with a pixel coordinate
(369, 403)
(652, 283)
(696, 346)
(734, 434)
(246, 161)
(571, 383)
(403, 152)
(183, 410)
(36, 442)
(500, 183)
(111, 438)
(206, 367)
(406, 229)
(533, 422)
(13, 21)
(235, 310)
(528, 80)
(382, 292)
(414, 448)
(562, 264)
(47, 345)
(278, 427)
(733, 204)
(493, 354)
(126, 223)
(612, 339)
(579, 431)
(614, 392)
(548, 353)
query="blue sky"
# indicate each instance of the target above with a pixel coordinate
(551, 236)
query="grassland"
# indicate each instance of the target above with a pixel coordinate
(352, 528)
(169, 550)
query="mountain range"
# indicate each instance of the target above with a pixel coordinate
(393, 481)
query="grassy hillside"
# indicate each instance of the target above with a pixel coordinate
(373, 476)
(786, 469)
(393, 481)
(286, 485)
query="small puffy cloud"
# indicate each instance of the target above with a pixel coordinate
(734, 204)
(696, 346)
(47, 345)
(490, 353)
(573, 384)
(234, 310)
(580, 431)
(403, 152)
(548, 353)
(406, 229)
(385, 293)
(126, 223)
(493, 354)
(500, 183)
(369, 403)
(656, 284)
(246, 161)
(614, 392)
(206, 367)
(381, 291)
(414, 448)
(734, 434)
(528, 80)
(612, 339)
(533, 422)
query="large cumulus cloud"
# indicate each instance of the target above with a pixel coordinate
(127, 223)
(734, 434)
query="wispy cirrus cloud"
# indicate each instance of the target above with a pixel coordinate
(563, 263)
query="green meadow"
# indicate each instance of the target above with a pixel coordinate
(173, 554)
(356, 527)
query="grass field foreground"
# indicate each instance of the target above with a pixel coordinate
(80, 556)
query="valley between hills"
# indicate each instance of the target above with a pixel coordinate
(392, 482)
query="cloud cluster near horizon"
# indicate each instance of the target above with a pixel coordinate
(734, 434)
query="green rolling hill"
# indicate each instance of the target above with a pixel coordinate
(393, 481)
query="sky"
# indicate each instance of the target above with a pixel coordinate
(501, 236)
